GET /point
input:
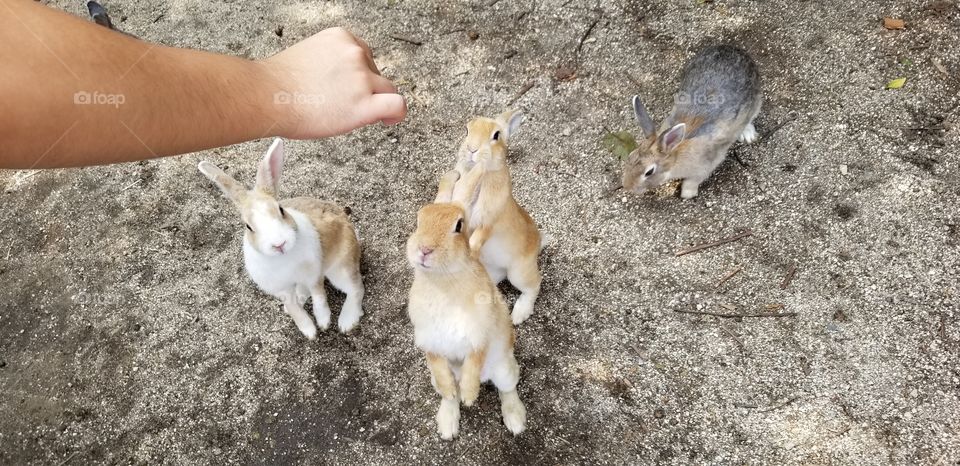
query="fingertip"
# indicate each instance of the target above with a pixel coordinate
(388, 108)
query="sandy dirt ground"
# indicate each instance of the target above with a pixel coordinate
(129, 332)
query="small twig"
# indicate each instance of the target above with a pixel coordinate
(789, 276)
(740, 404)
(492, 3)
(611, 192)
(7, 257)
(523, 90)
(29, 175)
(632, 80)
(927, 128)
(588, 31)
(735, 155)
(701, 247)
(734, 336)
(406, 39)
(728, 276)
(135, 182)
(943, 327)
(785, 403)
(791, 117)
(735, 316)
(68, 458)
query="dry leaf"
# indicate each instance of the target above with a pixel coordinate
(621, 144)
(893, 23)
(668, 189)
(896, 83)
(939, 66)
(565, 73)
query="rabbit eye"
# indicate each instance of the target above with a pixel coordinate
(496, 135)
(459, 226)
(248, 227)
(650, 171)
(282, 212)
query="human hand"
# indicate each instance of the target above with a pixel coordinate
(328, 84)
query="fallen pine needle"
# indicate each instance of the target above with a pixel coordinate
(788, 277)
(403, 38)
(728, 276)
(523, 90)
(734, 316)
(701, 247)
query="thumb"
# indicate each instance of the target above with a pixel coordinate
(388, 108)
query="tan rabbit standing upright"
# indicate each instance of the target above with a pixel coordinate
(459, 318)
(501, 232)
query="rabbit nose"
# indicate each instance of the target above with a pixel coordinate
(279, 247)
(425, 251)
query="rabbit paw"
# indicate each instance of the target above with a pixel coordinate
(522, 309)
(349, 315)
(448, 419)
(469, 393)
(322, 313)
(749, 134)
(514, 414)
(307, 328)
(689, 189)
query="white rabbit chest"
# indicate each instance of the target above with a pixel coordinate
(447, 330)
(494, 253)
(301, 265)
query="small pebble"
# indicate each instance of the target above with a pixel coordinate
(843, 169)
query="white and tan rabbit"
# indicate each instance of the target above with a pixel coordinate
(718, 99)
(501, 232)
(460, 320)
(291, 245)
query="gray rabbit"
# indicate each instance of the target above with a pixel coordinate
(718, 99)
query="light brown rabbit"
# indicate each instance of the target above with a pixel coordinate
(501, 232)
(459, 318)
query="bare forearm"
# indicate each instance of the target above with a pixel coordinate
(75, 93)
(113, 98)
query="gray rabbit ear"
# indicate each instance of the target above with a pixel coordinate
(511, 120)
(672, 138)
(643, 117)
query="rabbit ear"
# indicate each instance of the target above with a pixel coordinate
(643, 117)
(511, 120)
(447, 183)
(270, 169)
(99, 14)
(232, 188)
(672, 138)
